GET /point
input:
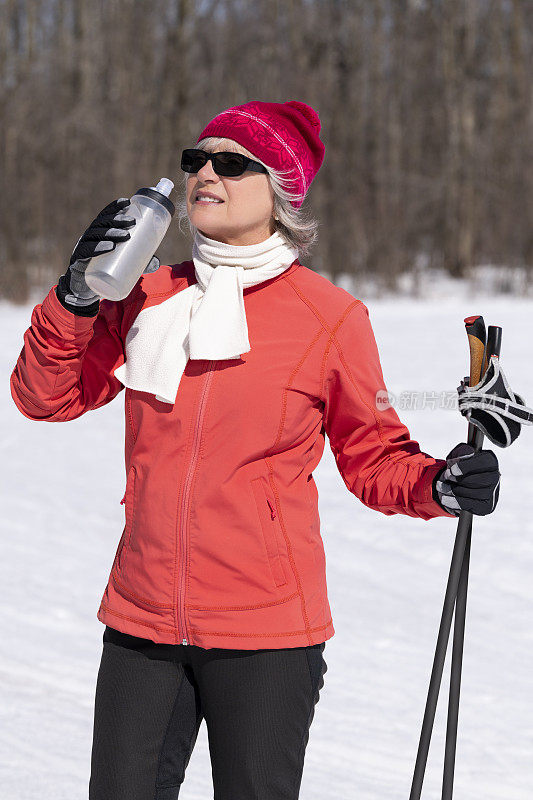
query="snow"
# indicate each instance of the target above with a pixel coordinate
(60, 490)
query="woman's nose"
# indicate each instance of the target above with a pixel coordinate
(207, 171)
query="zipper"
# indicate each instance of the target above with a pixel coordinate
(182, 529)
(272, 509)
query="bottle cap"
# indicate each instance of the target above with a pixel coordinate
(160, 193)
(164, 186)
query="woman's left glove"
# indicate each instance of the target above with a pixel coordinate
(469, 482)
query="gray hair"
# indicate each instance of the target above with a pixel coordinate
(298, 227)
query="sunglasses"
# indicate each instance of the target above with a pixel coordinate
(229, 165)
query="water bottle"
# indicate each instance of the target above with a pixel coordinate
(113, 275)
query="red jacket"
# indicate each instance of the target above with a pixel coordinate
(221, 545)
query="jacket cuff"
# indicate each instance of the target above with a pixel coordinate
(63, 288)
(436, 477)
(428, 504)
(63, 317)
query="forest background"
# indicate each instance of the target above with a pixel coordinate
(426, 109)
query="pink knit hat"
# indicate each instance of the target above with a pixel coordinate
(282, 135)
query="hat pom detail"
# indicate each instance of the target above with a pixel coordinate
(306, 111)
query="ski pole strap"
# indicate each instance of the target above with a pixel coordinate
(493, 407)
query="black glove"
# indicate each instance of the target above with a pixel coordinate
(103, 234)
(469, 482)
(105, 231)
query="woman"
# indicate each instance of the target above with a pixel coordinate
(236, 364)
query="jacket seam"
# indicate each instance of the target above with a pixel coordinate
(138, 597)
(127, 398)
(396, 505)
(52, 393)
(282, 276)
(353, 382)
(244, 608)
(33, 402)
(290, 381)
(311, 305)
(135, 619)
(333, 340)
(269, 634)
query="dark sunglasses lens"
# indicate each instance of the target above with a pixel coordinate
(230, 164)
(192, 160)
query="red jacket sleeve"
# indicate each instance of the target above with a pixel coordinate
(376, 457)
(65, 367)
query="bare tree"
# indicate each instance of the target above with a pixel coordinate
(426, 110)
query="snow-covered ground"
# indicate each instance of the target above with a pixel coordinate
(61, 520)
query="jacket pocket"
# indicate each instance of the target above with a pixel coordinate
(129, 501)
(270, 527)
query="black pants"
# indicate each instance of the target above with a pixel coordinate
(151, 698)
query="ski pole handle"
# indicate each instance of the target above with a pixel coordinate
(475, 330)
(494, 342)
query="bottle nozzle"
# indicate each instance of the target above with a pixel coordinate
(164, 186)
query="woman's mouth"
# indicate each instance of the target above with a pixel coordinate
(204, 201)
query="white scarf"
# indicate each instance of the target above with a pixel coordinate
(206, 320)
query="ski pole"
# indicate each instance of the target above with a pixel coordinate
(475, 328)
(476, 440)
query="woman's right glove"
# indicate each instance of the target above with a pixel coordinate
(469, 482)
(103, 234)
